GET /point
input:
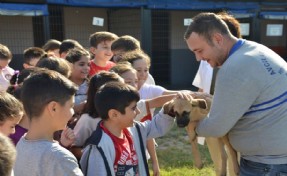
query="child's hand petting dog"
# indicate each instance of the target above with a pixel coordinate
(201, 95)
(168, 106)
(184, 95)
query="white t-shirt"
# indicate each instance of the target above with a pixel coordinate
(148, 91)
(81, 94)
(203, 80)
(203, 77)
(150, 80)
(84, 128)
(5, 76)
(141, 105)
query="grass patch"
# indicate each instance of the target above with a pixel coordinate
(186, 171)
(175, 157)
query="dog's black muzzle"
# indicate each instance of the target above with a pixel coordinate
(183, 119)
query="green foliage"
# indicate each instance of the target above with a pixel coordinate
(175, 157)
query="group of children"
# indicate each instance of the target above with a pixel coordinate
(69, 106)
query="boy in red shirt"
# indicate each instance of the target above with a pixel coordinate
(118, 145)
(100, 43)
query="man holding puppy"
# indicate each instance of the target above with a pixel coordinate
(250, 95)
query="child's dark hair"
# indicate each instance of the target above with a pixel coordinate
(57, 64)
(122, 67)
(51, 44)
(5, 53)
(232, 23)
(17, 80)
(114, 95)
(101, 36)
(10, 107)
(33, 52)
(75, 54)
(133, 56)
(95, 83)
(43, 87)
(126, 43)
(69, 44)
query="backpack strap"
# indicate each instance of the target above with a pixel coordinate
(96, 136)
(142, 149)
(88, 158)
(109, 173)
(94, 139)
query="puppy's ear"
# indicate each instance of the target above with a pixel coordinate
(201, 103)
(168, 107)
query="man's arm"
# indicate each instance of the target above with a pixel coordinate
(233, 97)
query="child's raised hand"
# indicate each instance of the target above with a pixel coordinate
(184, 95)
(201, 95)
(67, 137)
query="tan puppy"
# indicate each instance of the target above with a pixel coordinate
(188, 113)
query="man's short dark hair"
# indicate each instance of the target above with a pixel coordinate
(42, 88)
(205, 25)
(114, 95)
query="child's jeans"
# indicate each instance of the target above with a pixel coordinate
(250, 168)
